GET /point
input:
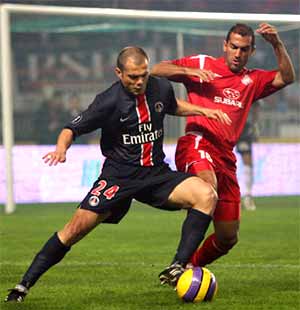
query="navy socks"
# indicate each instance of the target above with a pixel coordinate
(193, 231)
(52, 253)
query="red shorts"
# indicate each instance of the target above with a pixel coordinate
(194, 154)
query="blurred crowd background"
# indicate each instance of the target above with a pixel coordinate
(57, 74)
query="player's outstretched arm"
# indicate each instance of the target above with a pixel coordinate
(170, 71)
(286, 73)
(185, 108)
(64, 141)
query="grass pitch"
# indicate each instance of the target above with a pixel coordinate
(116, 266)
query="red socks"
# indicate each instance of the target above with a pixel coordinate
(208, 252)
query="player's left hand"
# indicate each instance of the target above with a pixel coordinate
(53, 158)
(269, 33)
(218, 115)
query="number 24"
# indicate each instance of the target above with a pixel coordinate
(108, 193)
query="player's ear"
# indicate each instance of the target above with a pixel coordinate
(118, 72)
(224, 46)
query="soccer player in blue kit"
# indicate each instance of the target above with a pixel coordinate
(130, 114)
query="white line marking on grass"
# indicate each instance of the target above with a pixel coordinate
(263, 266)
(113, 264)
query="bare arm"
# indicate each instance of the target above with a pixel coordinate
(64, 141)
(185, 108)
(170, 71)
(286, 72)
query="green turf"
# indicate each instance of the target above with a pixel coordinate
(116, 266)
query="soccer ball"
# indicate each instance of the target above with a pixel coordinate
(197, 284)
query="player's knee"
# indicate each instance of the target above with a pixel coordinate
(214, 195)
(71, 233)
(211, 197)
(227, 243)
(206, 198)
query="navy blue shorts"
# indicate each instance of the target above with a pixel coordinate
(118, 184)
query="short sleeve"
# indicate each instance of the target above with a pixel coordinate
(171, 99)
(92, 118)
(190, 62)
(264, 85)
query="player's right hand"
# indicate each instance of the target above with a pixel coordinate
(218, 115)
(53, 158)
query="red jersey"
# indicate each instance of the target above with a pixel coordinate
(233, 93)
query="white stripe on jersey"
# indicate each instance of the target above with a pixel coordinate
(151, 154)
(137, 110)
(202, 61)
(147, 106)
(198, 136)
(201, 58)
(143, 154)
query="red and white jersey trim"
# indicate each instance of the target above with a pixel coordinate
(198, 136)
(144, 116)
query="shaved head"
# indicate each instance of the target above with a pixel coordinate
(132, 69)
(136, 54)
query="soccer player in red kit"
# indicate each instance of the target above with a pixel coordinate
(206, 149)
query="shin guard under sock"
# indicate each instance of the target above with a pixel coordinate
(208, 252)
(193, 231)
(52, 252)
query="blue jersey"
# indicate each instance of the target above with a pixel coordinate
(132, 126)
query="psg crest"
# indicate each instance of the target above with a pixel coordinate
(158, 106)
(94, 201)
